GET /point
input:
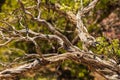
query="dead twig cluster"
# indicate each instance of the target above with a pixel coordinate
(107, 68)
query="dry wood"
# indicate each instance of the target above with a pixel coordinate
(106, 68)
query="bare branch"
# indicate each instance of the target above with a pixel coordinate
(38, 8)
(90, 6)
(83, 34)
(9, 40)
(98, 64)
(44, 36)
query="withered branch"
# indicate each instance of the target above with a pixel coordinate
(107, 68)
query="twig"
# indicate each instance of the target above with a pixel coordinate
(9, 40)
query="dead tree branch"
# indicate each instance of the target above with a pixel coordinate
(107, 68)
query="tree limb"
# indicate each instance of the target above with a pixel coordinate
(99, 65)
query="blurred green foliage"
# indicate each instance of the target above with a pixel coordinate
(109, 48)
(9, 12)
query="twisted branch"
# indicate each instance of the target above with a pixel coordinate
(99, 65)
